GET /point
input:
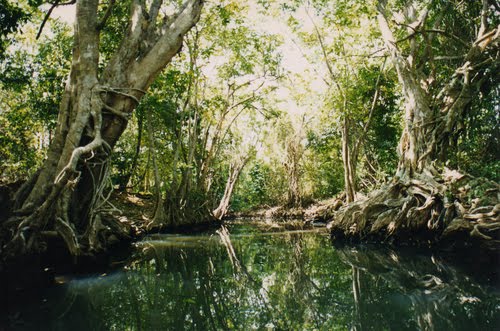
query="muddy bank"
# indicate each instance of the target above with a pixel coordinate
(317, 212)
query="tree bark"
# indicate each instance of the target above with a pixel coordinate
(68, 192)
(427, 129)
(413, 142)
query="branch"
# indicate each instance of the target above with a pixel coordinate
(449, 58)
(46, 18)
(123, 115)
(234, 89)
(427, 54)
(490, 36)
(253, 96)
(313, 67)
(406, 75)
(153, 10)
(117, 90)
(107, 14)
(484, 19)
(169, 43)
(323, 49)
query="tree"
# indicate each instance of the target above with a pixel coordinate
(340, 33)
(440, 92)
(216, 100)
(292, 137)
(235, 169)
(66, 194)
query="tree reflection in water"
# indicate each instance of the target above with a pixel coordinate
(416, 292)
(252, 279)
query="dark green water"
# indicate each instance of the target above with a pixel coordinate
(261, 280)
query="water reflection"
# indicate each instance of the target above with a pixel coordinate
(408, 292)
(252, 279)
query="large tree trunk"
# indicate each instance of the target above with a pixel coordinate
(416, 136)
(68, 193)
(423, 204)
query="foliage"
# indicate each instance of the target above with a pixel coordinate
(477, 150)
(31, 89)
(324, 166)
(11, 17)
(262, 185)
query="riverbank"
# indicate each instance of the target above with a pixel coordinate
(446, 211)
(454, 213)
(129, 222)
(134, 212)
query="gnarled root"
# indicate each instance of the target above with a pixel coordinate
(422, 211)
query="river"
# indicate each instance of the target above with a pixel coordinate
(263, 278)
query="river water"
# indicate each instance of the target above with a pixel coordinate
(263, 278)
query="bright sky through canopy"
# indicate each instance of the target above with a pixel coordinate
(293, 54)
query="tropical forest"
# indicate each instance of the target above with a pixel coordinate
(249, 165)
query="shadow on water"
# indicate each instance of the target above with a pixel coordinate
(247, 278)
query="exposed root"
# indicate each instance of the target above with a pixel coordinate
(68, 234)
(423, 211)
